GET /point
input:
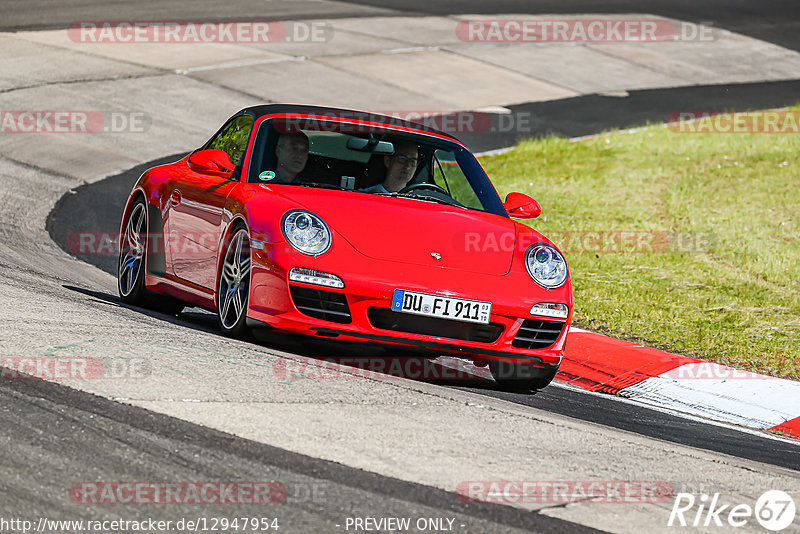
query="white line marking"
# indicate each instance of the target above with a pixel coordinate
(240, 64)
(495, 152)
(579, 330)
(410, 49)
(681, 415)
(754, 400)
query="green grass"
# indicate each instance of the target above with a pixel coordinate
(730, 291)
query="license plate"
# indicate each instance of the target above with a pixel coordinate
(473, 311)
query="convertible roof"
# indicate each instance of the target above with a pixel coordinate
(387, 120)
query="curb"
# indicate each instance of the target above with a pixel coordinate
(599, 363)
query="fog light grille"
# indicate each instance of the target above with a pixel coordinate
(321, 304)
(535, 334)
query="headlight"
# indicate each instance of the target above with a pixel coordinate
(306, 232)
(546, 265)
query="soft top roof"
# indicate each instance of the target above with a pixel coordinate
(388, 121)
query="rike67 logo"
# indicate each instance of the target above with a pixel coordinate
(774, 510)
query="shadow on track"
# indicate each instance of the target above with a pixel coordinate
(320, 358)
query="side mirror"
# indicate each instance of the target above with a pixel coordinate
(521, 206)
(212, 161)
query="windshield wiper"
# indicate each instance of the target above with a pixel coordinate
(322, 185)
(431, 199)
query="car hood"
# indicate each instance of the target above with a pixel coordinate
(413, 231)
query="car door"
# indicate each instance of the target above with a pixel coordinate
(196, 208)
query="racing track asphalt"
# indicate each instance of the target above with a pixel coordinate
(64, 437)
(776, 21)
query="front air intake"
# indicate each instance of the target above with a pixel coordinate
(387, 319)
(321, 304)
(535, 334)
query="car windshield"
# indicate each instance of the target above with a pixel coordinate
(371, 160)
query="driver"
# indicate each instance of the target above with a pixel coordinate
(292, 154)
(400, 169)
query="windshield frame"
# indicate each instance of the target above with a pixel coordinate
(472, 170)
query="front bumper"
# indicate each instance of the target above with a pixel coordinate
(370, 284)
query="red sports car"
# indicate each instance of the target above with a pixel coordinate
(349, 225)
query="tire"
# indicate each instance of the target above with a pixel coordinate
(520, 377)
(233, 287)
(131, 266)
(132, 257)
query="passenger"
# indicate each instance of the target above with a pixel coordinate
(292, 154)
(400, 169)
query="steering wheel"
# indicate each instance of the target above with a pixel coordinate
(423, 185)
